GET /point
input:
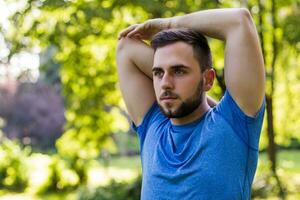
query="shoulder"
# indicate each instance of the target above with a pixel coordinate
(230, 109)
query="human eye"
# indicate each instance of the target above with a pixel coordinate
(179, 71)
(157, 73)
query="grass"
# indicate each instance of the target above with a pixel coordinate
(8, 195)
(131, 163)
(126, 168)
(288, 170)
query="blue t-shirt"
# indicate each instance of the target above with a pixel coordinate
(214, 157)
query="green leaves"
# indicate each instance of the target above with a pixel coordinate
(80, 39)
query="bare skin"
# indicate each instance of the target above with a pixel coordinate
(180, 74)
(244, 69)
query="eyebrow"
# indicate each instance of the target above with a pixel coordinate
(178, 66)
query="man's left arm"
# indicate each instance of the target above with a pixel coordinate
(244, 68)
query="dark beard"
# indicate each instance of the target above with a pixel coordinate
(188, 106)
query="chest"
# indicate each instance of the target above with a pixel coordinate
(208, 155)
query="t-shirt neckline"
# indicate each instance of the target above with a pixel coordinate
(193, 124)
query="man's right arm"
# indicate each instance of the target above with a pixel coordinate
(134, 63)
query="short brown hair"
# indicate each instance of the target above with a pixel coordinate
(197, 40)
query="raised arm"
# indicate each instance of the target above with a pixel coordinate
(244, 69)
(134, 62)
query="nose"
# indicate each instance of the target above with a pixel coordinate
(167, 82)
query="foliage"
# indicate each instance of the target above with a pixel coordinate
(82, 35)
(13, 166)
(115, 190)
(78, 38)
(280, 47)
(61, 177)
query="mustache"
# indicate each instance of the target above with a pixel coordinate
(168, 94)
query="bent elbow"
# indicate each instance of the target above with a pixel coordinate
(244, 17)
(245, 13)
(121, 44)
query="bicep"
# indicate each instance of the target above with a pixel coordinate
(244, 68)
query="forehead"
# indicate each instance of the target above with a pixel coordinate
(178, 53)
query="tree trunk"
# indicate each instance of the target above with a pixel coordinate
(271, 136)
(272, 151)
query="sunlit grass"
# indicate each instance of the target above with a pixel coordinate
(38, 170)
(119, 169)
(8, 195)
(102, 176)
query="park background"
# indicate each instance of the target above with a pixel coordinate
(64, 132)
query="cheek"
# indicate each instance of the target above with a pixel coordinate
(187, 87)
(156, 87)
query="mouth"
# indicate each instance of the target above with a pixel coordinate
(168, 99)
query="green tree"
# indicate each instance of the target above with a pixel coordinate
(82, 35)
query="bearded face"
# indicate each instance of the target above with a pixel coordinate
(184, 107)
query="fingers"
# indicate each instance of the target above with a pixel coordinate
(125, 32)
(138, 36)
(134, 32)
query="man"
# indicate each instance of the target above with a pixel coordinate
(190, 150)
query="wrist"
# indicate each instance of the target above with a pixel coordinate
(173, 22)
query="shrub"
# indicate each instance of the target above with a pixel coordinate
(34, 114)
(61, 178)
(115, 190)
(13, 168)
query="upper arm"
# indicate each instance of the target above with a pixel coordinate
(244, 67)
(134, 61)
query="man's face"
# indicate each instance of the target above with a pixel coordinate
(177, 80)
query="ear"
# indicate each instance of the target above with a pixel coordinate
(208, 79)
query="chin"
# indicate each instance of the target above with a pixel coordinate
(169, 111)
(169, 107)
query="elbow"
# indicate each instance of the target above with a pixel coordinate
(125, 46)
(123, 50)
(244, 16)
(244, 13)
(242, 22)
(122, 43)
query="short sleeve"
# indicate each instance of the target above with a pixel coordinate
(152, 115)
(246, 127)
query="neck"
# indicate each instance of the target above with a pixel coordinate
(196, 114)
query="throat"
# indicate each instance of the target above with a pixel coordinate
(195, 115)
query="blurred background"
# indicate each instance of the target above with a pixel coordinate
(64, 132)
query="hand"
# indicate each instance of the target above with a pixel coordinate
(146, 30)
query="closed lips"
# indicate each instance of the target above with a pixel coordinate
(165, 98)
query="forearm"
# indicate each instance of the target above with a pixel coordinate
(215, 23)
